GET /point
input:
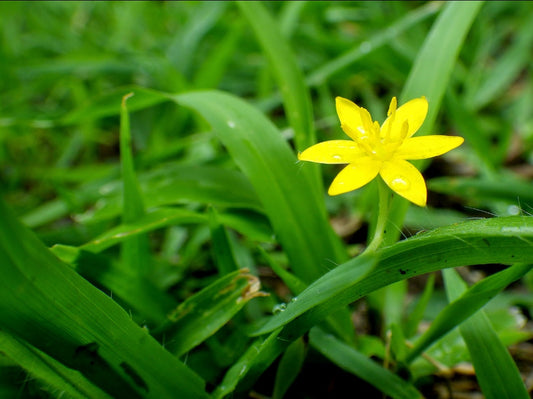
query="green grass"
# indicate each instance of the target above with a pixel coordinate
(170, 243)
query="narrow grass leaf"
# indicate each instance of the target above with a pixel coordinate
(174, 183)
(320, 75)
(498, 240)
(39, 365)
(351, 360)
(508, 188)
(496, 372)
(466, 305)
(416, 315)
(503, 240)
(266, 159)
(254, 226)
(507, 66)
(78, 325)
(289, 367)
(296, 97)
(205, 312)
(134, 254)
(221, 250)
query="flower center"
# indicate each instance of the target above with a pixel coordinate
(377, 141)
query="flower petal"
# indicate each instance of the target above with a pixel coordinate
(413, 112)
(333, 151)
(355, 175)
(404, 179)
(350, 117)
(427, 146)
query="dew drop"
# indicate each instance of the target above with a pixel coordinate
(294, 299)
(513, 210)
(399, 184)
(280, 307)
(231, 124)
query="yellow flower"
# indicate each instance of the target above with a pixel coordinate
(384, 150)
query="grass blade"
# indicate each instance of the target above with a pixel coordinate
(134, 251)
(496, 371)
(79, 326)
(360, 365)
(265, 158)
(466, 305)
(61, 379)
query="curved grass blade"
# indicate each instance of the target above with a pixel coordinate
(265, 158)
(289, 367)
(496, 371)
(254, 226)
(296, 97)
(59, 378)
(498, 240)
(320, 75)
(174, 183)
(362, 366)
(466, 305)
(78, 325)
(202, 314)
(503, 240)
(134, 252)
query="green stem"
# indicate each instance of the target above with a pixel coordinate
(383, 213)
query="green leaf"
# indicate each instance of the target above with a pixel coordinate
(503, 240)
(466, 305)
(221, 250)
(415, 316)
(501, 187)
(380, 39)
(202, 314)
(499, 240)
(360, 365)
(39, 365)
(265, 158)
(79, 326)
(507, 66)
(289, 367)
(296, 98)
(174, 183)
(496, 372)
(322, 297)
(252, 225)
(135, 250)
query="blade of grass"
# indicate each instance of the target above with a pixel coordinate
(289, 367)
(320, 75)
(39, 365)
(135, 250)
(362, 366)
(466, 305)
(496, 371)
(497, 240)
(203, 313)
(265, 158)
(78, 325)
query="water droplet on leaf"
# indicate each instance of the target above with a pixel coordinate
(280, 307)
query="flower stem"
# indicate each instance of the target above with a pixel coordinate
(383, 213)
